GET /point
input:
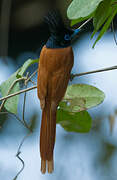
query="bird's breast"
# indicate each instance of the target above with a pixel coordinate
(56, 59)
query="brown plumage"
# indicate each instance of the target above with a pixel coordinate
(53, 75)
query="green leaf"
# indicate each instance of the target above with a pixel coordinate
(80, 97)
(102, 13)
(28, 63)
(106, 26)
(82, 8)
(79, 122)
(11, 103)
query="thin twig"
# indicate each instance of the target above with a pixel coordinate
(72, 76)
(12, 85)
(18, 155)
(114, 35)
(33, 74)
(23, 113)
(23, 165)
(92, 72)
(19, 92)
(32, 82)
(9, 113)
(19, 148)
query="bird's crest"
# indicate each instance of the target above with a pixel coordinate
(54, 21)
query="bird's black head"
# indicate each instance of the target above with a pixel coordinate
(60, 34)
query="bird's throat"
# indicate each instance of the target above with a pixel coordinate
(56, 42)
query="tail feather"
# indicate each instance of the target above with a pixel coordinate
(47, 138)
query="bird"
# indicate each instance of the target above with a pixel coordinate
(55, 64)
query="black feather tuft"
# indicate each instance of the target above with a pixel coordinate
(60, 35)
(54, 21)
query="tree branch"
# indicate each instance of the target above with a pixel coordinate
(72, 76)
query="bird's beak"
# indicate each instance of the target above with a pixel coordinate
(75, 33)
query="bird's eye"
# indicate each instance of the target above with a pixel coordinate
(67, 37)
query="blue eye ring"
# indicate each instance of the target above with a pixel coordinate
(67, 37)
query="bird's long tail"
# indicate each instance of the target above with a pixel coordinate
(47, 137)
